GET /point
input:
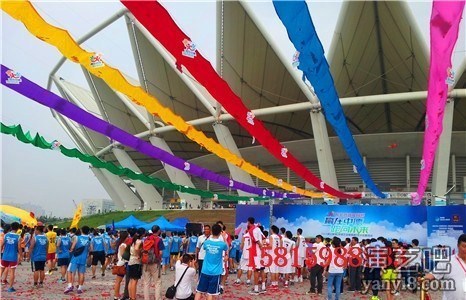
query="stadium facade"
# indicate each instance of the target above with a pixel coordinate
(379, 62)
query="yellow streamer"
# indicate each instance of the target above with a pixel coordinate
(24, 12)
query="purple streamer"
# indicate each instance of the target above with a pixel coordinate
(42, 96)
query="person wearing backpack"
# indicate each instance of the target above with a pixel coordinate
(151, 258)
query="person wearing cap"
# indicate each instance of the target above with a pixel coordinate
(39, 246)
(152, 271)
(11, 250)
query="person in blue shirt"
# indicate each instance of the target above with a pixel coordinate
(39, 246)
(174, 250)
(110, 243)
(98, 249)
(63, 254)
(11, 249)
(165, 253)
(192, 242)
(27, 242)
(212, 268)
(234, 253)
(79, 250)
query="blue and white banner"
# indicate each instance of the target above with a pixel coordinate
(445, 224)
(404, 223)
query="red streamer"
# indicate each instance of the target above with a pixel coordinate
(159, 23)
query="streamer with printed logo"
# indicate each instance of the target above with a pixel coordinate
(47, 98)
(444, 28)
(155, 18)
(24, 11)
(310, 59)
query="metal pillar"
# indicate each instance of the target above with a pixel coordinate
(177, 176)
(108, 188)
(150, 196)
(453, 172)
(364, 161)
(129, 199)
(225, 139)
(408, 172)
(281, 109)
(442, 157)
(323, 150)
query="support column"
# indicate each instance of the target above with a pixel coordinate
(464, 189)
(177, 176)
(442, 157)
(150, 196)
(408, 173)
(323, 150)
(453, 172)
(364, 161)
(225, 138)
(129, 199)
(108, 188)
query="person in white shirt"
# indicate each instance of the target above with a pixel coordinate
(289, 245)
(185, 288)
(255, 255)
(453, 270)
(200, 252)
(335, 270)
(244, 261)
(275, 242)
(318, 269)
(301, 246)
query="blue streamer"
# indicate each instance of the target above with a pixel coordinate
(312, 62)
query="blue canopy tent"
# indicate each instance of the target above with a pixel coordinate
(129, 222)
(164, 225)
(180, 222)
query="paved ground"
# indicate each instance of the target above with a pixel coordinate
(102, 288)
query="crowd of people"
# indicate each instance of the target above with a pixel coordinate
(202, 262)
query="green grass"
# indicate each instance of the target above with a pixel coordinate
(103, 219)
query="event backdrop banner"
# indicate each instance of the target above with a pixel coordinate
(445, 224)
(401, 222)
(261, 214)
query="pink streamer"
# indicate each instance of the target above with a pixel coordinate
(444, 27)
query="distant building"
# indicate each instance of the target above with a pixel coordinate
(97, 206)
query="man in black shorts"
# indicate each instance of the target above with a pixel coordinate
(98, 253)
(39, 246)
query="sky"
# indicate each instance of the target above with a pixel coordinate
(47, 178)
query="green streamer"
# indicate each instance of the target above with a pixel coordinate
(39, 142)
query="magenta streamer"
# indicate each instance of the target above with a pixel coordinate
(444, 27)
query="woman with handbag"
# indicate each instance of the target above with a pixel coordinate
(184, 290)
(135, 263)
(119, 269)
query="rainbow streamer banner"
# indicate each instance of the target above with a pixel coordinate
(40, 142)
(160, 24)
(444, 28)
(24, 11)
(310, 59)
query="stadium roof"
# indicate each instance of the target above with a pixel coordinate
(377, 49)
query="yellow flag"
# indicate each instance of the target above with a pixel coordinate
(77, 216)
